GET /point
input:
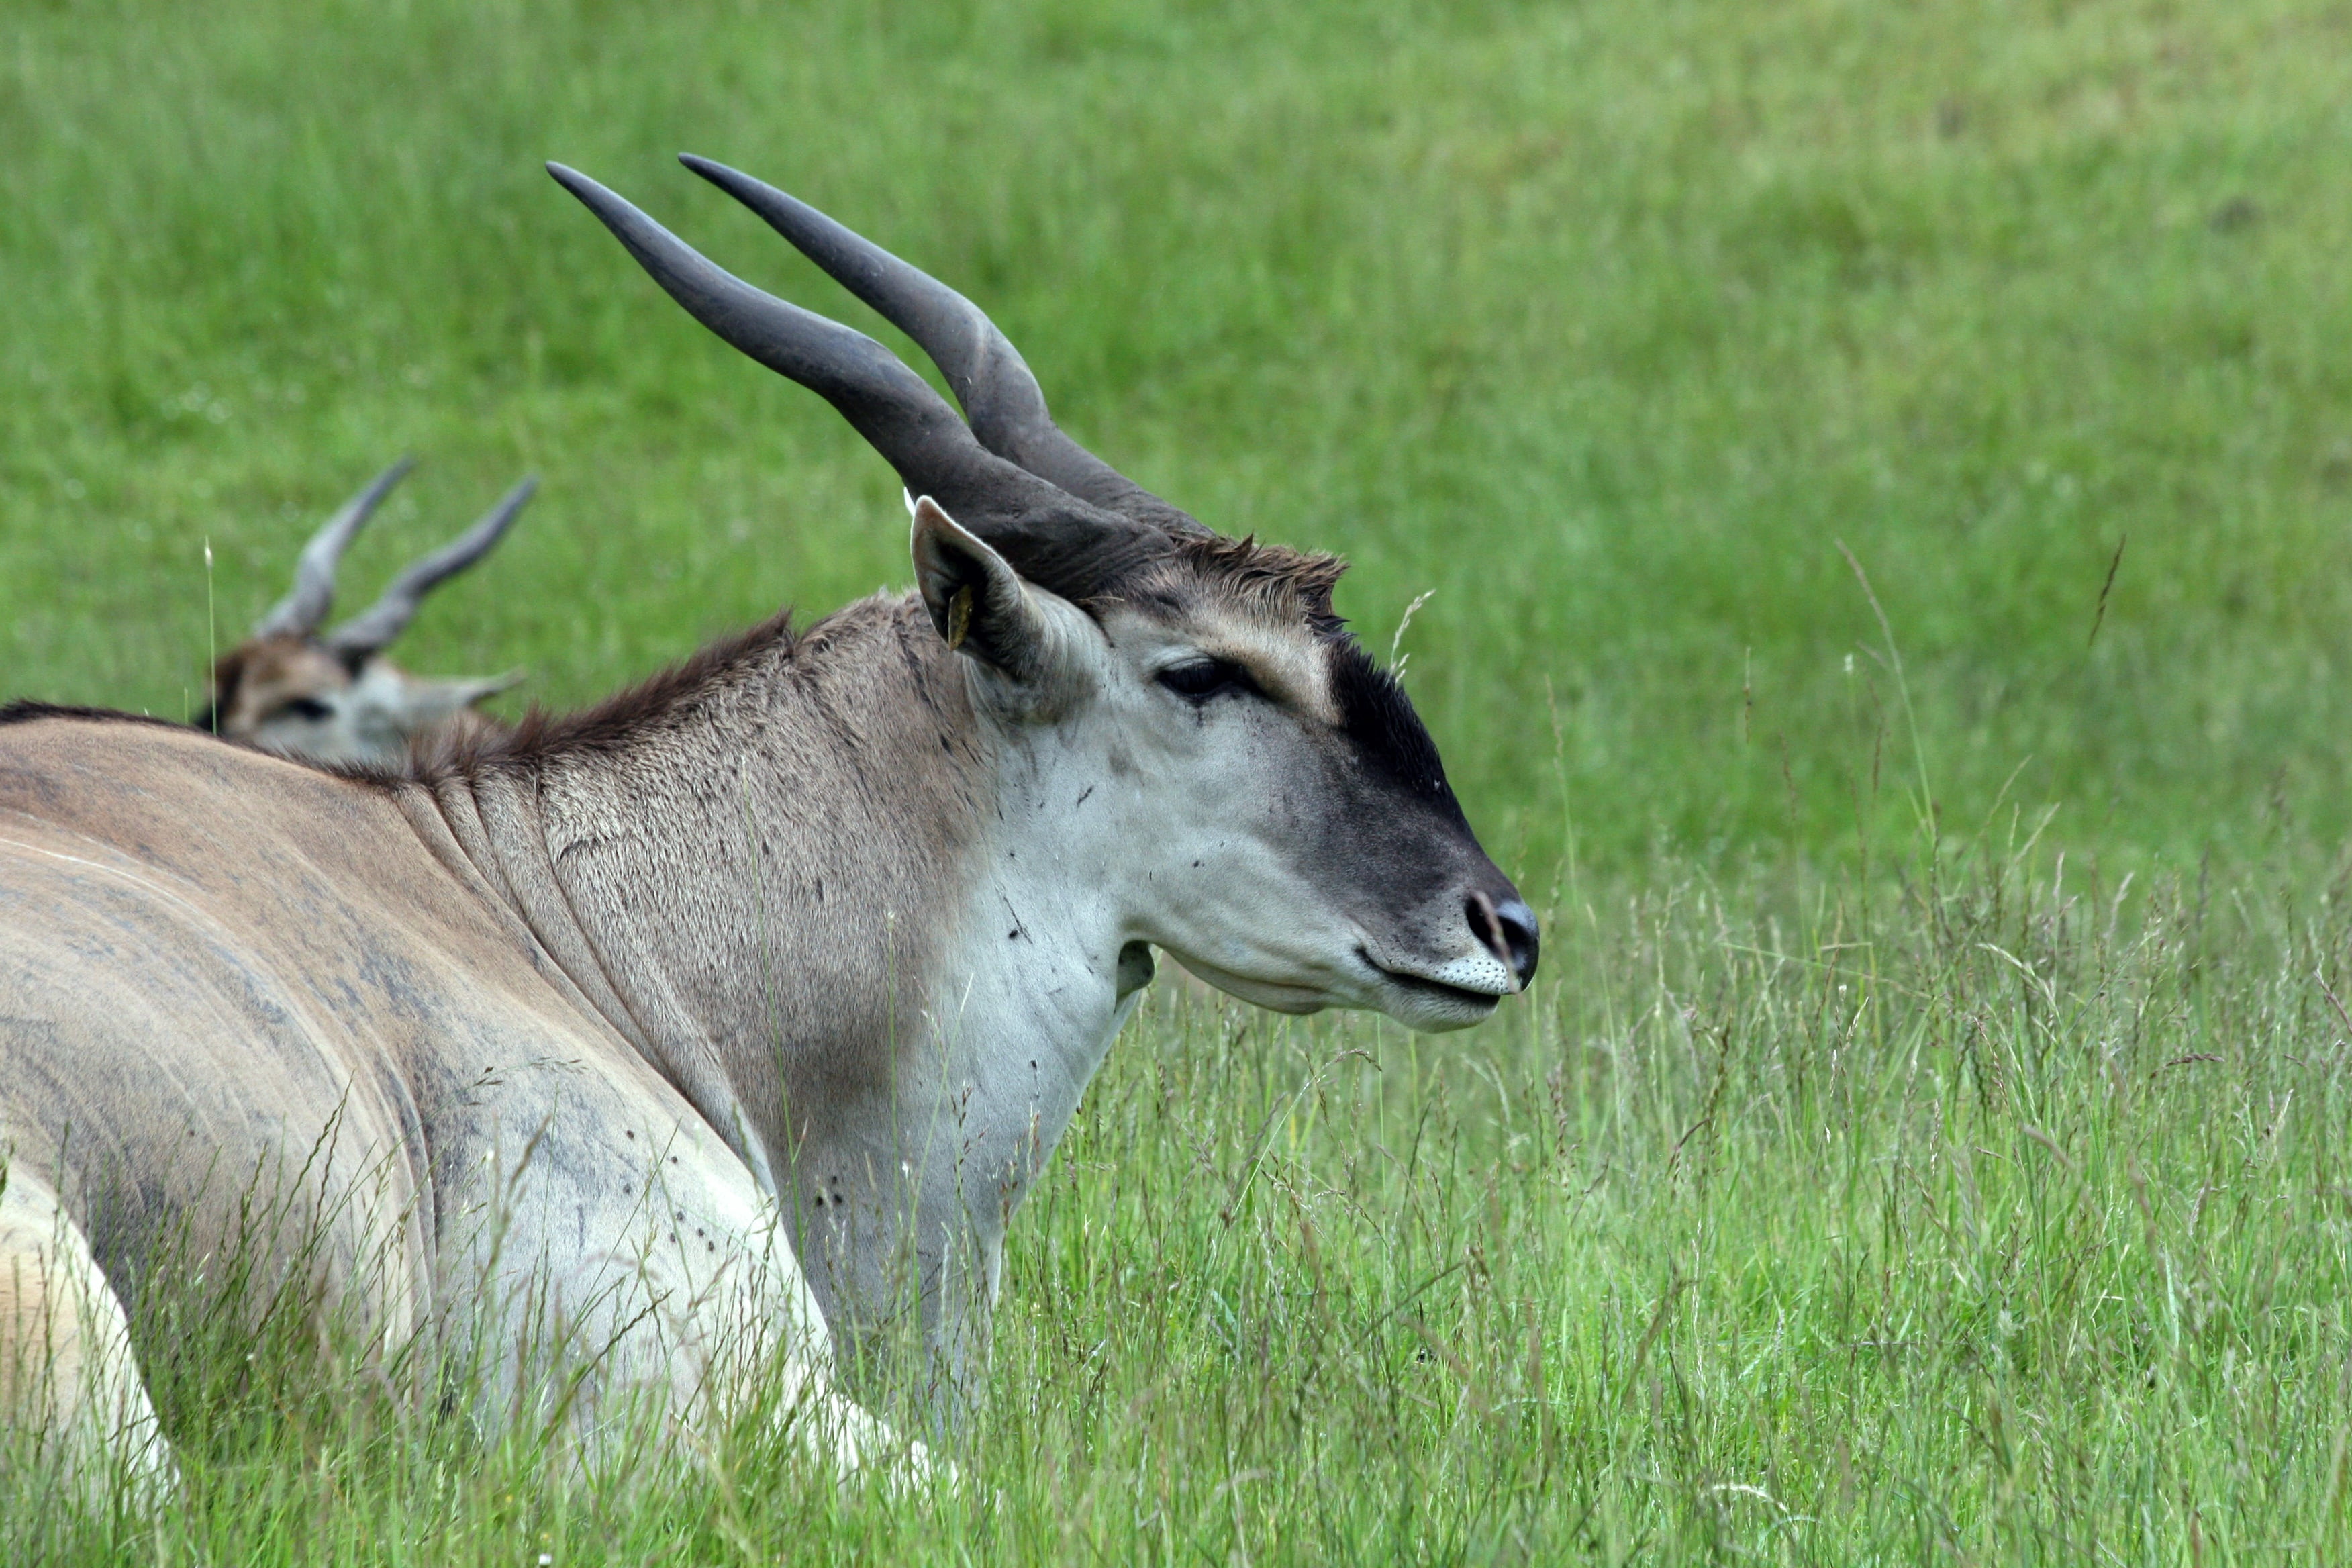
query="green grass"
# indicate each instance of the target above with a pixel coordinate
(1839, 1196)
(1603, 321)
(1979, 1223)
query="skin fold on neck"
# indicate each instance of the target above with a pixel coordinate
(816, 889)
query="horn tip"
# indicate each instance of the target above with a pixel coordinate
(728, 180)
(571, 179)
(743, 187)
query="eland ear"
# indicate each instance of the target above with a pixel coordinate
(976, 600)
(426, 699)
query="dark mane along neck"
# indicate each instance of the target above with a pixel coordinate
(749, 866)
(24, 709)
(774, 647)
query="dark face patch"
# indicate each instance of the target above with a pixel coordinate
(1386, 735)
(1381, 831)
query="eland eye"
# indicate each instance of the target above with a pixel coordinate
(303, 708)
(1206, 677)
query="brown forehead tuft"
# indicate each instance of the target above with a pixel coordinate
(1269, 579)
(271, 658)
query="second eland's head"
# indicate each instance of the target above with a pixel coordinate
(332, 696)
(1280, 818)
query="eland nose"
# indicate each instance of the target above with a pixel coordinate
(1521, 937)
(1509, 929)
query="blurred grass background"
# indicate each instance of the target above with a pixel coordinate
(1604, 321)
(1835, 1197)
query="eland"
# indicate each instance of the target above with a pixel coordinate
(332, 696)
(737, 1012)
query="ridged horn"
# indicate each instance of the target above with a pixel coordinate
(1051, 537)
(313, 594)
(373, 628)
(1000, 395)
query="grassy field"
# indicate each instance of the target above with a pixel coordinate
(1982, 1224)
(1921, 1144)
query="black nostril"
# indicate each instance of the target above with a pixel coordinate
(1520, 936)
(1509, 931)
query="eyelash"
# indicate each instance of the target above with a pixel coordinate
(1205, 680)
(306, 708)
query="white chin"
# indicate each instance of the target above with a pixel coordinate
(1428, 1015)
(1432, 1010)
(1265, 994)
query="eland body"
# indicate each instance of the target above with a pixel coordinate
(744, 1008)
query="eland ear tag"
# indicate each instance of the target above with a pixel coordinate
(959, 617)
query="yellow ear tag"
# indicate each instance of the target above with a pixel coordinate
(959, 617)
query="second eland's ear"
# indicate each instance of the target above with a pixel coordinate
(426, 699)
(976, 600)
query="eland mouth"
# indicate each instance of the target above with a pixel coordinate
(1471, 986)
(1464, 990)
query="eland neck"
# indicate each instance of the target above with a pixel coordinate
(862, 927)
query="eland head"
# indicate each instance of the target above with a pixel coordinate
(331, 696)
(1285, 823)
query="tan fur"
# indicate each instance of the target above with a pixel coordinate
(262, 675)
(1287, 668)
(65, 1363)
(225, 964)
